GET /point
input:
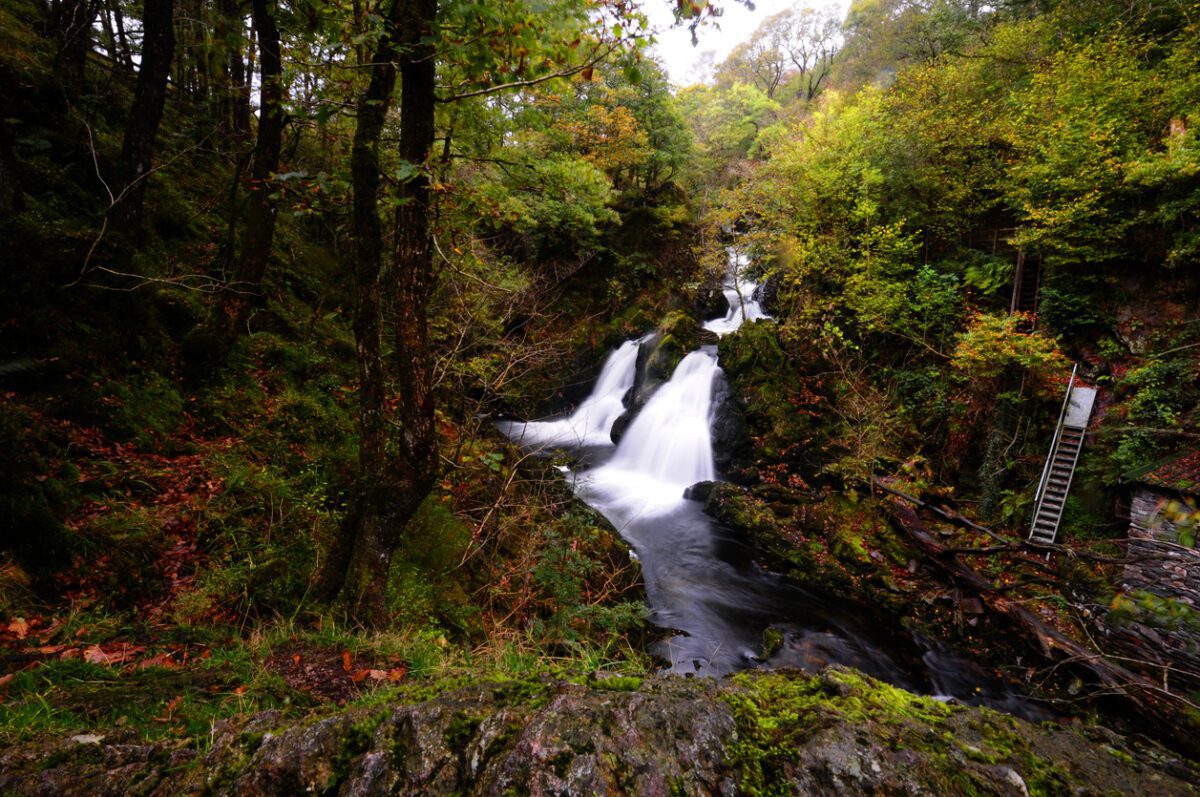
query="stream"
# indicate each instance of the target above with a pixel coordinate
(702, 584)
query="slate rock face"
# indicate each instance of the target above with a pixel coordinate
(840, 734)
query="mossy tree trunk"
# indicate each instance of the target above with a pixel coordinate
(394, 475)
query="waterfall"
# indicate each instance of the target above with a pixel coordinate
(700, 584)
(739, 292)
(669, 440)
(592, 421)
(666, 449)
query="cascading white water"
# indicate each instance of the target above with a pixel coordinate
(592, 421)
(666, 449)
(669, 441)
(739, 292)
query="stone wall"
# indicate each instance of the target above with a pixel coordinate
(1158, 564)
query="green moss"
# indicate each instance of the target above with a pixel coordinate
(772, 641)
(462, 730)
(777, 714)
(619, 683)
(354, 742)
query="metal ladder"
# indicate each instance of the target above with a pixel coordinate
(1061, 462)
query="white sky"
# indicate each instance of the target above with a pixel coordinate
(687, 64)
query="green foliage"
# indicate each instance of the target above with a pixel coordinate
(992, 344)
(1153, 610)
(727, 121)
(425, 584)
(38, 488)
(1082, 119)
(567, 204)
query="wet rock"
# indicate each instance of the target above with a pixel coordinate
(735, 508)
(677, 335)
(767, 294)
(711, 303)
(620, 426)
(730, 440)
(700, 491)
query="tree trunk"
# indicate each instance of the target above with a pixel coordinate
(150, 94)
(391, 488)
(70, 24)
(372, 112)
(230, 105)
(239, 82)
(12, 199)
(122, 41)
(261, 208)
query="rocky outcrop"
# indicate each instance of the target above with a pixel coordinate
(730, 442)
(833, 733)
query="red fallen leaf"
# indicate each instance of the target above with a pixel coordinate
(241, 690)
(164, 660)
(394, 675)
(5, 680)
(347, 661)
(172, 706)
(47, 650)
(360, 674)
(295, 659)
(98, 655)
(19, 628)
(69, 653)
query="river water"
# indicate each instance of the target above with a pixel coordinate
(703, 585)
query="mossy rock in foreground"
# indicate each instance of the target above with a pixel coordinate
(837, 732)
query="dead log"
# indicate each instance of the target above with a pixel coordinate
(1149, 700)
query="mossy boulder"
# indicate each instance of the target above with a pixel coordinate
(677, 334)
(826, 543)
(836, 732)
